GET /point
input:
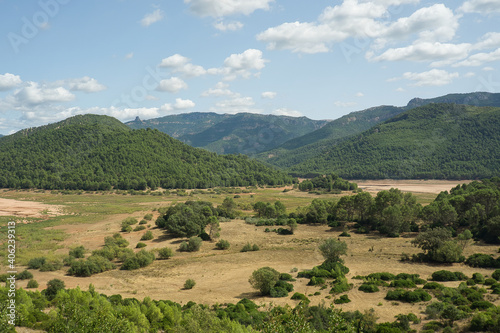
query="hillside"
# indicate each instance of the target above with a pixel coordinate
(97, 152)
(440, 141)
(244, 133)
(313, 144)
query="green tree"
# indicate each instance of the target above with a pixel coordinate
(53, 286)
(264, 279)
(332, 249)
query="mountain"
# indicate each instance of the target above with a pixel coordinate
(93, 152)
(244, 133)
(313, 144)
(438, 141)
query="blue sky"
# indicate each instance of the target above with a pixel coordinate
(320, 59)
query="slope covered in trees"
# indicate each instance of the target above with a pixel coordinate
(98, 152)
(244, 133)
(315, 143)
(440, 141)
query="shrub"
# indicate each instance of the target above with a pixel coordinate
(194, 244)
(24, 275)
(278, 292)
(183, 246)
(140, 259)
(316, 281)
(368, 288)
(165, 253)
(345, 234)
(222, 244)
(403, 284)
(445, 275)
(92, 265)
(478, 278)
(384, 276)
(189, 284)
(53, 286)
(36, 263)
(142, 222)
(139, 228)
(332, 249)
(51, 266)
(264, 279)
(126, 228)
(286, 277)
(490, 281)
(247, 247)
(32, 284)
(496, 274)
(301, 297)
(77, 252)
(417, 295)
(482, 260)
(148, 217)
(204, 236)
(481, 305)
(342, 299)
(433, 285)
(255, 247)
(140, 245)
(129, 221)
(148, 235)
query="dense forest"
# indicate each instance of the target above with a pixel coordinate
(98, 153)
(436, 141)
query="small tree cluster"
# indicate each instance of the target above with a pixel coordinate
(192, 245)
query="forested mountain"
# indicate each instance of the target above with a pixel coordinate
(245, 133)
(313, 144)
(440, 141)
(98, 152)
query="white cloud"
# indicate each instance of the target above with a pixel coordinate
(9, 81)
(181, 64)
(480, 6)
(434, 77)
(180, 104)
(231, 26)
(488, 69)
(86, 84)
(344, 104)
(268, 94)
(241, 65)
(151, 18)
(235, 105)
(218, 8)
(489, 41)
(469, 74)
(479, 59)
(286, 112)
(129, 55)
(173, 85)
(359, 94)
(151, 98)
(34, 94)
(400, 89)
(221, 89)
(425, 51)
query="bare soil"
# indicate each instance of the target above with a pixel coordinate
(18, 208)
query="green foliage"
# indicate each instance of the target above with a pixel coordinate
(433, 285)
(53, 287)
(300, 297)
(92, 265)
(332, 249)
(264, 279)
(192, 245)
(115, 154)
(37, 263)
(330, 182)
(189, 284)
(438, 245)
(315, 281)
(24, 275)
(222, 244)
(148, 217)
(187, 219)
(148, 235)
(140, 259)
(247, 247)
(444, 275)
(32, 284)
(342, 299)
(139, 228)
(403, 284)
(417, 295)
(140, 245)
(77, 252)
(368, 288)
(165, 253)
(482, 261)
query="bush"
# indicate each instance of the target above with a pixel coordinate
(264, 279)
(247, 247)
(316, 281)
(36, 263)
(278, 292)
(384, 276)
(345, 234)
(496, 274)
(481, 305)
(403, 284)
(301, 297)
(490, 281)
(148, 217)
(140, 259)
(92, 265)
(32, 284)
(417, 295)
(478, 278)
(368, 288)
(53, 286)
(142, 222)
(189, 284)
(482, 260)
(165, 253)
(140, 245)
(139, 228)
(342, 299)
(222, 244)
(126, 228)
(148, 235)
(24, 275)
(332, 249)
(77, 252)
(51, 266)
(445, 275)
(433, 285)
(286, 277)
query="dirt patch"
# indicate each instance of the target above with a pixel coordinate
(415, 186)
(18, 208)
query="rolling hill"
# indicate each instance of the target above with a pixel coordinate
(244, 133)
(313, 144)
(93, 152)
(439, 141)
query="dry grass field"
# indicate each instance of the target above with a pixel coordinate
(221, 276)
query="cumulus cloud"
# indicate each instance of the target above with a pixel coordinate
(181, 64)
(241, 65)
(217, 8)
(231, 26)
(173, 85)
(286, 112)
(180, 104)
(425, 51)
(235, 105)
(268, 94)
(9, 81)
(36, 94)
(434, 77)
(479, 59)
(220, 89)
(480, 6)
(153, 17)
(85, 84)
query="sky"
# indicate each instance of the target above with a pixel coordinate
(320, 59)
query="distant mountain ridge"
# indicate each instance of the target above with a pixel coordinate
(315, 143)
(241, 133)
